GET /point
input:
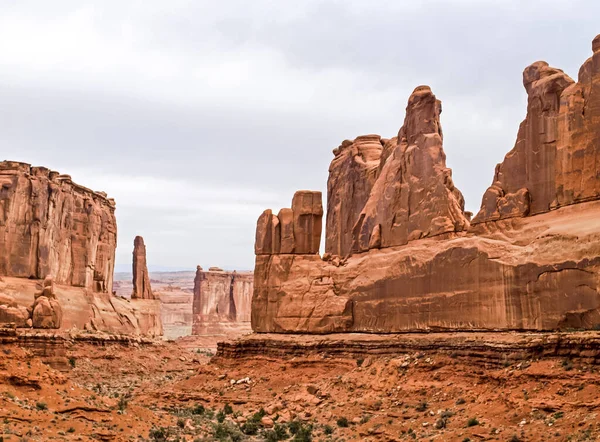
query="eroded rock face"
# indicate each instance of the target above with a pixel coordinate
(555, 160)
(222, 301)
(52, 226)
(46, 310)
(414, 196)
(141, 280)
(296, 230)
(415, 262)
(10, 311)
(352, 174)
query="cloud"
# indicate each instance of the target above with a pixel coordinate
(196, 115)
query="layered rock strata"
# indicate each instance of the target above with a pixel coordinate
(141, 280)
(413, 262)
(222, 302)
(51, 226)
(57, 250)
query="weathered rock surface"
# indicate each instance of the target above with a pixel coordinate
(555, 160)
(222, 302)
(175, 290)
(52, 226)
(141, 280)
(414, 196)
(83, 309)
(63, 235)
(352, 174)
(296, 230)
(415, 263)
(46, 310)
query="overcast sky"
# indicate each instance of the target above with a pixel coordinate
(197, 115)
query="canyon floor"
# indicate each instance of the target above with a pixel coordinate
(172, 392)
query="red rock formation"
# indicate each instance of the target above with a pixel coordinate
(222, 302)
(141, 280)
(46, 310)
(417, 265)
(414, 196)
(352, 174)
(555, 160)
(52, 226)
(64, 233)
(301, 227)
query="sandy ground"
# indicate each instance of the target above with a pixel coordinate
(171, 392)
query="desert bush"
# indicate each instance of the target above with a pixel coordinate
(198, 409)
(342, 422)
(472, 422)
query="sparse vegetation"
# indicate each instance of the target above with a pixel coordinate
(472, 422)
(342, 422)
(422, 406)
(41, 406)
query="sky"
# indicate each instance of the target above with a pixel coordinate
(198, 115)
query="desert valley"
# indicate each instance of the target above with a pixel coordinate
(418, 321)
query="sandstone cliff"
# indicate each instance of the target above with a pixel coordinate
(141, 280)
(412, 261)
(52, 226)
(57, 249)
(555, 160)
(222, 302)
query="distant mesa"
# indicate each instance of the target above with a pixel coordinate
(222, 302)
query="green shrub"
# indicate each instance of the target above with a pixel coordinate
(250, 428)
(227, 409)
(304, 434)
(72, 361)
(198, 409)
(159, 434)
(342, 422)
(41, 406)
(328, 429)
(472, 422)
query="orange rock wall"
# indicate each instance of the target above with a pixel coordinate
(222, 302)
(410, 260)
(52, 226)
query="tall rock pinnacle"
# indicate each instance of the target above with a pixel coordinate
(141, 280)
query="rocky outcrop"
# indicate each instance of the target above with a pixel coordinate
(51, 226)
(352, 174)
(555, 160)
(222, 301)
(10, 310)
(414, 196)
(415, 263)
(81, 309)
(296, 230)
(57, 249)
(141, 280)
(46, 310)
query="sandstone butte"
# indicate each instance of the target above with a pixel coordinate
(221, 303)
(403, 255)
(57, 248)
